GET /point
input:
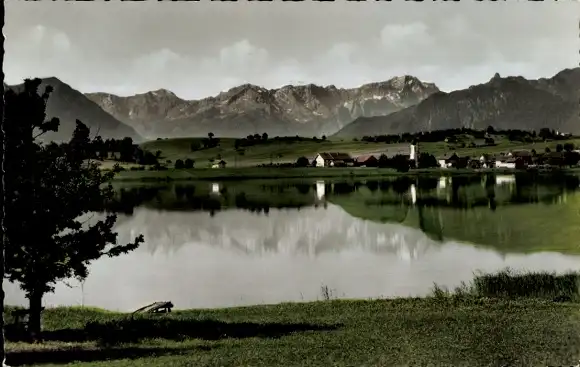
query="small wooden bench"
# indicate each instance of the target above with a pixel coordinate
(156, 307)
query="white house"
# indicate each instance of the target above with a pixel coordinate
(318, 161)
(220, 164)
(332, 159)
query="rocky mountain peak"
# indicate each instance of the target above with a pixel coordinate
(307, 109)
(162, 93)
(511, 102)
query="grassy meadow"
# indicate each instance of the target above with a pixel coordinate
(504, 319)
(278, 152)
(286, 152)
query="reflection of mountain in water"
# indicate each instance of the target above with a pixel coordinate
(307, 231)
(520, 213)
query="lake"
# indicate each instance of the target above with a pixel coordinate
(219, 244)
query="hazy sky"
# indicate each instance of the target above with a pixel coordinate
(200, 49)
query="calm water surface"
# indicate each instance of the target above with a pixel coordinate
(241, 243)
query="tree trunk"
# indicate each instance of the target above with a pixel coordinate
(2, 137)
(34, 324)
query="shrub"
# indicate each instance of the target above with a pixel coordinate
(189, 163)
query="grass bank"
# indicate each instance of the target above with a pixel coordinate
(288, 152)
(253, 173)
(504, 319)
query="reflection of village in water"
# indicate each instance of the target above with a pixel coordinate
(334, 215)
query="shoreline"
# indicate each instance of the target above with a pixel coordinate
(200, 174)
(507, 318)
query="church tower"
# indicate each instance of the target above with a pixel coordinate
(414, 151)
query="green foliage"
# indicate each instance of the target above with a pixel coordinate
(302, 162)
(508, 284)
(427, 160)
(51, 190)
(400, 163)
(384, 161)
(179, 164)
(188, 163)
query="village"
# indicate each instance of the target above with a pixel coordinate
(564, 156)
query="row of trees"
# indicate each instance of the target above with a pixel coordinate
(188, 163)
(50, 191)
(442, 135)
(257, 139)
(122, 150)
(206, 143)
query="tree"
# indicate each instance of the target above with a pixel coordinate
(323, 137)
(545, 133)
(50, 188)
(427, 160)
(2, 344)
(179, 164)
(210, 135)
(490, 130)
(547, 150)
(571, 158)
(126, 150)
(400, 163)
(384, 161)
(189, 163)
(568, 147)
(264, 136)
(559, 148)
(489, 141)
(302, 162)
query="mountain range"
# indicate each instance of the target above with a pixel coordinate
(504, 103)
(398, 105)
(304, 110)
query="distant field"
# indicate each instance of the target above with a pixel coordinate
(283, 152)
(271, 152)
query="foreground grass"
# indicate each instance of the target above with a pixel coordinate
(460, 329)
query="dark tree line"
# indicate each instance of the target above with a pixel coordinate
(206, 143)
(257, 139)
(188, 163)
(450, 134)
